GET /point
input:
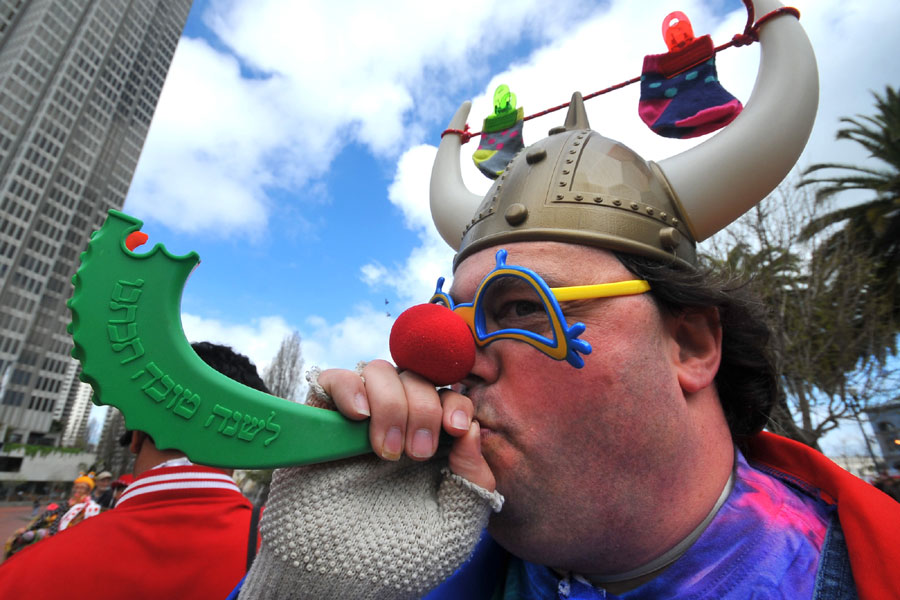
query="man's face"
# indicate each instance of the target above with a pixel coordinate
(578, 453)
(103, 484)
(80, 490)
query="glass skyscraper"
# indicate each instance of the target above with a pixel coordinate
(79, 81)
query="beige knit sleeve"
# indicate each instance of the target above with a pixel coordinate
(365, 528)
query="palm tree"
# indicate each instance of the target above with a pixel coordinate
(826, 326)
(874, 223)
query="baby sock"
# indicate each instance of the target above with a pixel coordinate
(501, 135)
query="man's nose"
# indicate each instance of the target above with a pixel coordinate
(486, 367)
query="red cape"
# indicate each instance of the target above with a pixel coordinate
(869, 518)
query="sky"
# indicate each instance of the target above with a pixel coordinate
(293, 141)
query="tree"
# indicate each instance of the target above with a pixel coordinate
(824, 311)
(284, 377)
(874, 223)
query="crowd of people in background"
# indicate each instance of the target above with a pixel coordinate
(91, 494)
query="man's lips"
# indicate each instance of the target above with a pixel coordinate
(487, 427)
(484, 413)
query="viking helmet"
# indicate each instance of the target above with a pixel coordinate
(577, 186)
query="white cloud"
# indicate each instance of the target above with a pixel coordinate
(325, 75)
(856, 48)
(409, 190)
(362, 335)
(259, 340)
(413, 281)
(203, 164)
(377, 74)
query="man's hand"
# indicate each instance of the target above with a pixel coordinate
(407, 415)
(365, 528)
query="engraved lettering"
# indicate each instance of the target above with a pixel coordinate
(221, 411)
(175, 393)
(134, 293)
(116, 335)
(183, 402)
(250, 427)
(273, 427)
(187, 405)
(160, 394)
(153, 371)
(122, 332)
(231, 429)
(135, 346)
(130, 310)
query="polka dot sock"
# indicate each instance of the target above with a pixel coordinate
(497, 149)
(681, 96)
(501, 136)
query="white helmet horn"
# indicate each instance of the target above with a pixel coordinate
(452, 204)
(763, 142)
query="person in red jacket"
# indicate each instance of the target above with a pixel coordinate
(180, 530)
(118, 486)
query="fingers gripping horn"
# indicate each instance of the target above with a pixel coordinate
(452, 204)
(724, 177)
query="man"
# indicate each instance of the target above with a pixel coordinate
(636, 470)
(103, 494)
(81, 502)
(57, 517)
(120, 484)
(180, 530)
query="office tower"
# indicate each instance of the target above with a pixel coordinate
(110, 453)
(79, 81)
(74, 408)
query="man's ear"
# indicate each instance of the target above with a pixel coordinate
(698, 338)
(137, 440)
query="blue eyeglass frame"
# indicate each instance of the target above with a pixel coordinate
(564, 345)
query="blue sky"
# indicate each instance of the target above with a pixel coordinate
(292, 144)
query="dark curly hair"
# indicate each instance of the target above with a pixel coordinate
(228, 362)
(747, 381)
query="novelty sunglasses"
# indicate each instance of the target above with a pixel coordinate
(515, 303)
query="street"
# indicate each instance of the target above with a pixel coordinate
(13, 516)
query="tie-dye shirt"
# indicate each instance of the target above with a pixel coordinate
(764, 542)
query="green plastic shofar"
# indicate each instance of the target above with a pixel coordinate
(126, 325)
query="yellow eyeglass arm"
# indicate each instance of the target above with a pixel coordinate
(601, 290)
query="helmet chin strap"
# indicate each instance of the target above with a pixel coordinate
(652, 568)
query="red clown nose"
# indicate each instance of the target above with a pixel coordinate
(434, 342)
